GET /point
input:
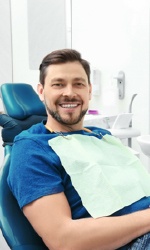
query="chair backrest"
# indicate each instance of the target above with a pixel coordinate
(23, 108)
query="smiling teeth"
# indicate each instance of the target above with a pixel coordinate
(69, 105)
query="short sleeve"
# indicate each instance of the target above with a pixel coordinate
(34, 171)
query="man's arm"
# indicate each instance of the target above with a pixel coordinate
(51, 218)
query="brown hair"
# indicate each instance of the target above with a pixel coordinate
(62, 56)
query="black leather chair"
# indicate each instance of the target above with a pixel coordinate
(23, 108)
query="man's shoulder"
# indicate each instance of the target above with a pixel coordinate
(33, 132)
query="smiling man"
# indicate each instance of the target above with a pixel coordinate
(80, 188)
(66, 93)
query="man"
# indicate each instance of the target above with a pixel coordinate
(38, 175)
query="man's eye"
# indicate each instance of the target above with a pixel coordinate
(57, 85)
(79, 84)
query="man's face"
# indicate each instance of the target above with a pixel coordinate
(66, 92)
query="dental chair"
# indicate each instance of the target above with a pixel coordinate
(22, 108)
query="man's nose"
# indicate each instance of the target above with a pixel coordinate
(69, 91)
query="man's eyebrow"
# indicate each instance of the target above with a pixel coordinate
(79, 79)
(57, 79)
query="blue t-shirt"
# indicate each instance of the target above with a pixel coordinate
(36, 171)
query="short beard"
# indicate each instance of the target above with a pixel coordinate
(63, 121)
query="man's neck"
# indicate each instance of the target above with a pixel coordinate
(55, 126)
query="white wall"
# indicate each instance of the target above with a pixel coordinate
(5, 44)
(32, 41)
(114, 36)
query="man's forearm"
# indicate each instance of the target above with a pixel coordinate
(51, 218)
(106, 233)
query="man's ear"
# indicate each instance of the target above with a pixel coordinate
(40, 91)
(90, 91)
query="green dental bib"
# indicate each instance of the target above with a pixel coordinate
(105, 173)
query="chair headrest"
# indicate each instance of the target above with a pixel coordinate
(21, 101)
